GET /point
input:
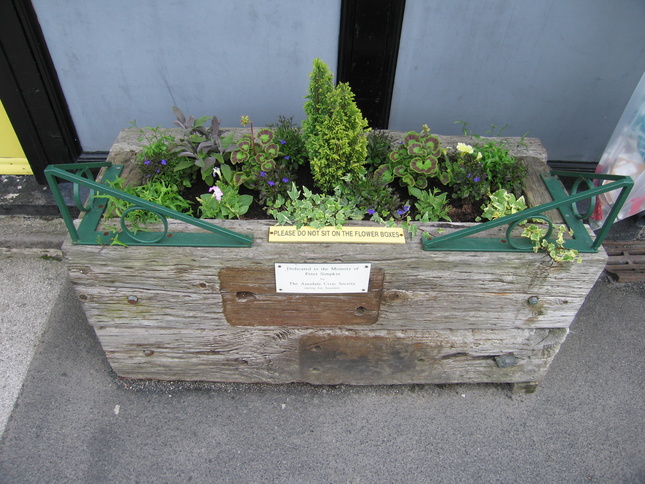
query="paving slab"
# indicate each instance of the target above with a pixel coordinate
(31, 232)
(30, 285)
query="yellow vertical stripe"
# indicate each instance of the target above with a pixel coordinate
(12, 158)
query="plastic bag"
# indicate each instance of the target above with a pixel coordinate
(625, 155)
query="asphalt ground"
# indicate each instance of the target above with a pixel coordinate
(70, 419)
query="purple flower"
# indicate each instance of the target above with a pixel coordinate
(285, 180)
(147, 162)
(163, 162)
(476, 179)
(468, 176)
(287, 157)
(263, 174)
(371, 211)
(283, 142)
(271, 183)
(403, 210)
(158, 170)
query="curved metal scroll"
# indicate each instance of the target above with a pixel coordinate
(512, 241)
(80, 175)
(153, 237)
(582, 241)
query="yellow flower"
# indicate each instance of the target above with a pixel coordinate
(464, 148)
(479, 155)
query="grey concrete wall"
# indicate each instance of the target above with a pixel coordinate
(124, 60)
(563, 70)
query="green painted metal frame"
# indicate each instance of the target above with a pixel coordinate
(80, 174)
(563, 201)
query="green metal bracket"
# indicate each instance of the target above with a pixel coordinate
(565, 202)
(86, 233)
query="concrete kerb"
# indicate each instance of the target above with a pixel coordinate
(32, 276)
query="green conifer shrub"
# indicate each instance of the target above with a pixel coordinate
(334, 130)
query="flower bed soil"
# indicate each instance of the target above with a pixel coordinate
(462, 210)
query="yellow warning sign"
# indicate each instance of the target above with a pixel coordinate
(345, 235)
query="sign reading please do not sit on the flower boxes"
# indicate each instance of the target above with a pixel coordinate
(355, 235)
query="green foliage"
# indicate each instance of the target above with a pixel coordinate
(226, 204)
(156, 191)
(490, 162)
(554, 249)
(353, 167)
(292, 143)
(368, 192)
(224, 200)
(500, 204)
(379, 147)
(334, 130)
(502, 170)
(203, 147)
(431, 205)
(157, 160)
(414, 160)
(466, 177)
(273, 184)
(261, 165)
(473, 172)
(315, 210)
(257, 152)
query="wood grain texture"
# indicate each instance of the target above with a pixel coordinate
(440, 290)
(169, 304)
(535, 192)
(330, 356)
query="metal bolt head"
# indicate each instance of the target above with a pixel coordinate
(506, 361)
(133, 299)
(533, 300)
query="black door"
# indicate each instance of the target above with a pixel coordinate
(369, 44)
(30, 90)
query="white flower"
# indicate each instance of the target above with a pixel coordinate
(464, 148)
(217, 192)
(216, 171)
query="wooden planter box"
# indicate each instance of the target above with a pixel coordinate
(213, 314)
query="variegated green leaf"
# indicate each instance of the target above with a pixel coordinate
(415, 149)
(265, 136)
(411, 136)
(239, 157)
